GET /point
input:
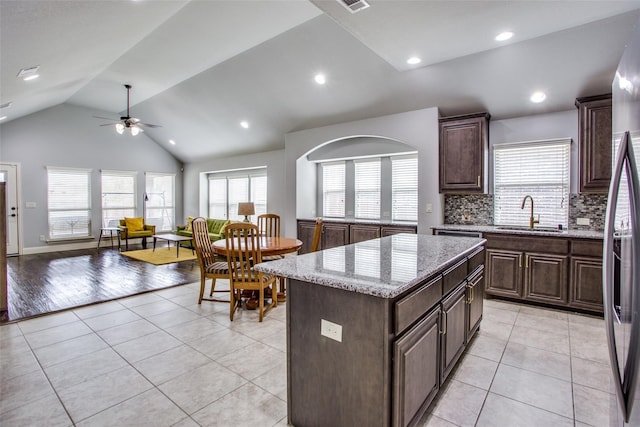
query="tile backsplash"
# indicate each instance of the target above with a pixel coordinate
(477, 209)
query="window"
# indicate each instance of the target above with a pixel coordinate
(159, 200)
(373, 188)
(227, 189)
(539, 169)
(118, 196)
(69, 203)
(367, 189)
(333, 189)
(404, 188)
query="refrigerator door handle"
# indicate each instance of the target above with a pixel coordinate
(624, 387)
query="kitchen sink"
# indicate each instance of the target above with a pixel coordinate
(525, 228)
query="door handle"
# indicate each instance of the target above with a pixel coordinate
(624, 157)
(443, 331)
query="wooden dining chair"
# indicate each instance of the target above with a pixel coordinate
(317, 235)
(269, 225)
(209, 267)
(243, 252)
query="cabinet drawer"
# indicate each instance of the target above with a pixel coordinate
(413, 306)
(586, 247)
(529, 244)
(453, 276)
(476, 259)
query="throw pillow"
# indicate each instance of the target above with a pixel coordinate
(134, 224)
(189, 221)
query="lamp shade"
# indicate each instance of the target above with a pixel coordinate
(246, 208)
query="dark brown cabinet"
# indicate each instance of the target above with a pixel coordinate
(594, 134)
(503, 273)
(453, 327)
(362, 232)
(415, 364)
(464, 146)
(334, 234)
(585, 290)
(475, 299)
(556, 271)
(546, 278)
(339, 233)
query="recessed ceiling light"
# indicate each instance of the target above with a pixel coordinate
(320, 78)
(538, 97)
(244, 124)
(172, 142)
(29, 73)
(505, 35)
(414, 60)
(3, 117)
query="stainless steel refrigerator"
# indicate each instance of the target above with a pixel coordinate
(621, 257)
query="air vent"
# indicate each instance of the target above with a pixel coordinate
(354, 5)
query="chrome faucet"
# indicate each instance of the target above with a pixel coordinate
(532, 221)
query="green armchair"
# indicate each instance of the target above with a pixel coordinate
(215, 228)
(134, 228)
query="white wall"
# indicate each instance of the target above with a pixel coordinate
(195, 180)
(539, 127)
(68, 136)
(418, 128)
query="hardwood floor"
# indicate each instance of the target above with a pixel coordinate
(49, 282)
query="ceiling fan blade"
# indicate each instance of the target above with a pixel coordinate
(149, 125)
(104, 118)
(108, 124)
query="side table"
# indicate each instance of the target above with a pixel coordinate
(110, 230)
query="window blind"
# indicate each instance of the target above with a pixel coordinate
(218, 198)
(404, 188)
(539, 169)
(333, 189)
(118, 196)
(367, 189)
(160, 201)
(69, 202)
(227, 189)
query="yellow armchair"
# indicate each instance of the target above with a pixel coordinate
(134, 228)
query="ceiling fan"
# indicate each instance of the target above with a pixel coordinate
(127, 122)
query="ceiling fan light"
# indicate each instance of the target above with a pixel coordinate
(135, 130)
(120, 128)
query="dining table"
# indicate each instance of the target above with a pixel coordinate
(269, 246)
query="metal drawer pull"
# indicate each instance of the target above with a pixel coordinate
(444, 323)
(520, 261)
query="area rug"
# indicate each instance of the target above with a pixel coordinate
(161, 255)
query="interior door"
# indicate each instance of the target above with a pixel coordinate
(9, 174)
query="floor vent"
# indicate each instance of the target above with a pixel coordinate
(354, 5)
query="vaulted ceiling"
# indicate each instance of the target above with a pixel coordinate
(200, 67)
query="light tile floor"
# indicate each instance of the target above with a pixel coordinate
(161, 359)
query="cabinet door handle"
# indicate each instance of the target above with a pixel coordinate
(526, 259)
(443, 331)
(473, 293)
(478, 181)
(520, 261)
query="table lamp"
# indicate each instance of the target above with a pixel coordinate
(246, 209)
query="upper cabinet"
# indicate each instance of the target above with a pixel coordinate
(594, 134)
(464, 147)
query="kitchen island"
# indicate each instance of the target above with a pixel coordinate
(375, 328)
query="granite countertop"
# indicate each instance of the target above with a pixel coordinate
(384, 267)
(578, 234)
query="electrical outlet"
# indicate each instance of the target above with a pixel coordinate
(583, 221)
(30, 205)
(429, 208)
(42, 238)
(331, 330)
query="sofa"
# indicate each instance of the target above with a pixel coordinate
(134, 228)
(215, 227)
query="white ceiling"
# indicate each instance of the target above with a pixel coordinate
(200, 67)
